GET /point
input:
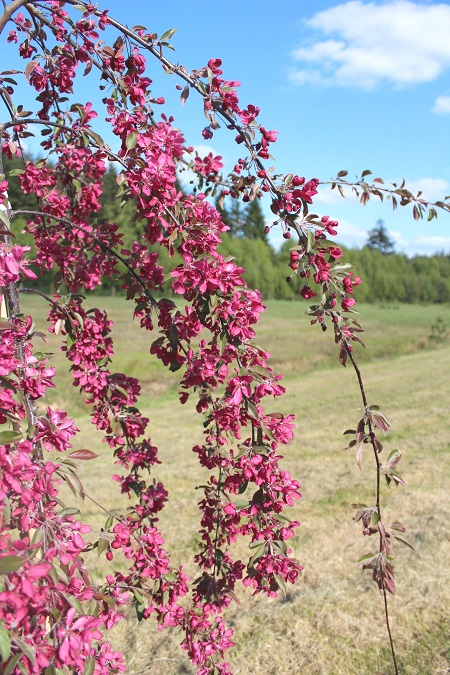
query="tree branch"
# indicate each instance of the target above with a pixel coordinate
(9, 11)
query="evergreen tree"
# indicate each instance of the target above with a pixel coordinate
(237, 218)
(17, 198)
(379, 239)
(254, 224)
(234, 216)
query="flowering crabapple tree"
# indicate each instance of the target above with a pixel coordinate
(53, 618)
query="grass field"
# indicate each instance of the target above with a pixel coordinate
(331, 622)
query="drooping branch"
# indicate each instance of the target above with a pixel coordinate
(221, 302)
(376, 450)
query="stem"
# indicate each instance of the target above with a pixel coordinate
(43, 295)
(216, 534)
(377, 191)
(388, 627)
(91, 499)
(12, 299)
(377, 505)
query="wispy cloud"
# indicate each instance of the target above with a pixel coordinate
(329, 197)
(350, 234)
(433, 189)
(427, 245)
(399, 42)
(442, 105)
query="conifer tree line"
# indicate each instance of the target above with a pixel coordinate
(388, 276)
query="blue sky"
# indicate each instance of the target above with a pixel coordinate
(349, 85)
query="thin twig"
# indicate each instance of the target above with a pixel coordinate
(378, 505)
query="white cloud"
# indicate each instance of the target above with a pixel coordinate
(399, 41)
(442, 105)
(401, 243)
(350, 234)
(328, 197)
(427, 244)
(419, 244)
(433, 189)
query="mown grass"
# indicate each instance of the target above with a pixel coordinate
(331, 622)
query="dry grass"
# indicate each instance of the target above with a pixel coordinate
(331, 622)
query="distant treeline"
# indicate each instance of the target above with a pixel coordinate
(385, 277)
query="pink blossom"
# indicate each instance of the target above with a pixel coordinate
(55, 429)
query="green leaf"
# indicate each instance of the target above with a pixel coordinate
(257, 544)
(103, 544)
(6, 511)
(89, 666)
(5, 644)
(131, 140)
(256, 556)
(252, 411)
(243, 487)
(95, 137)
(138, 596)
(23, 669)
(394, 454)
(75, 603)
(7, 437)
(41, 356)
(7, 670)
(168, 34)
(77, 185)
(53, 574)
(68, 511)
(185, 94)
(37, 536)
(26, 649)
(366, 557)
(73, 482)
(310, 244)
(139, 607)
(109, 522)
(4, 218)
(281, 583)
(10, 563)
(171, 578)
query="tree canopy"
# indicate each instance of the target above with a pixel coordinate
(379, 239)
